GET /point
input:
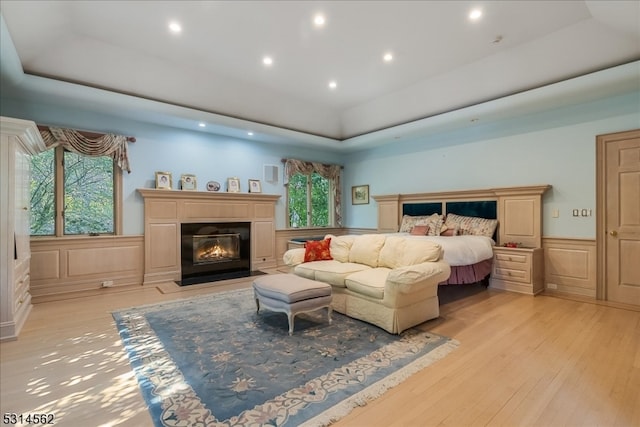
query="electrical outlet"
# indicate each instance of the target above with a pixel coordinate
(107, 283)
(552, 286)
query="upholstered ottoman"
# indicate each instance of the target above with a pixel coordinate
(292, 295)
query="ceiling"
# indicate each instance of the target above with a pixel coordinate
(120, 57)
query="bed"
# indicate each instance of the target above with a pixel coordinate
(465, 230)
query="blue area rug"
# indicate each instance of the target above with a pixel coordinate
(214, 361)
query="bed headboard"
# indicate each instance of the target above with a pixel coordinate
(517, 209)
(479, 208)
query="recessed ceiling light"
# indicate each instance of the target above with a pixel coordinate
(201, 124)
(333, 84)
(250, 133)
(475, 14)
(388, 57)
(319, 20)
(175, 27)
(267, 60)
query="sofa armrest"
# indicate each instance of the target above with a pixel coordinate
(293, 257)
(410, 278)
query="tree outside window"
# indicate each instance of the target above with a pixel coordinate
(86, 194)
(309, 201)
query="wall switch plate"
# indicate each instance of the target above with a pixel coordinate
(555, 213)
(576, 212)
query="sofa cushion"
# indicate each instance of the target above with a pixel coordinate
(366, 249)
(369, 282)
(317, 250)
(400, 252)
(331, 272)
(340, 247)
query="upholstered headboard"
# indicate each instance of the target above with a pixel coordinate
(479, 208)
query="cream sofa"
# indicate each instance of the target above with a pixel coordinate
(386, 280)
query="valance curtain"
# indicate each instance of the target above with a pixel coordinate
(111, 145)
(330, 172)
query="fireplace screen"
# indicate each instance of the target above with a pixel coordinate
(214, 248)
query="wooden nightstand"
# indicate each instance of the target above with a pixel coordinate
(518, 269)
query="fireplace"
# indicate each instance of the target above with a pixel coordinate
(214, 251)
(212, 248)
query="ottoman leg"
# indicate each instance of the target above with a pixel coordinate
(290, 316)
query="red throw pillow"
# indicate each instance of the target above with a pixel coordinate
(420, 230)
(317, 250)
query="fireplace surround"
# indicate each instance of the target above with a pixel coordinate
(214, 251)
(166, 210)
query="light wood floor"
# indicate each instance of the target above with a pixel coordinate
(522, 361)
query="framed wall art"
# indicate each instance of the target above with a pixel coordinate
(163, 180)
(360, 195)
(233, 185)
(255, 186)
(188, 182)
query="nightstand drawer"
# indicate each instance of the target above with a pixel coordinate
(520, 258)
(515, 275)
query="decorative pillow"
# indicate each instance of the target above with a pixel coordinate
(419, 230)
(454, 231)
(317, 250)
(408, 221)
(436, 224)
(471, 225)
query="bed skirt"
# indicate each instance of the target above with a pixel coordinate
(464, 274)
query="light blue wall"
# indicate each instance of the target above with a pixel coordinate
(158, 148)
(557, 148)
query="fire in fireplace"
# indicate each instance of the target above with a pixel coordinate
(215, 251)
(215, 248)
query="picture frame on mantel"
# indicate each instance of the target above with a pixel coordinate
(163, 180)
(255, 186)
(360, 195)
(233, 185)
(188, 182)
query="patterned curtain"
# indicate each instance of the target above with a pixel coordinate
(330, 172)
(111, 145)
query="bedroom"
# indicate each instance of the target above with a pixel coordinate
(554, 147)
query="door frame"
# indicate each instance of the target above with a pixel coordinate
(601, 206)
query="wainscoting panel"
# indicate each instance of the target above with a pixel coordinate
(67, 267)
(570, 266)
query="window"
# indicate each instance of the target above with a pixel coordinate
(309, 201)
(83, 187)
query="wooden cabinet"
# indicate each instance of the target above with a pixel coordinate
(518, 269)
(20, 140)
(263, 245)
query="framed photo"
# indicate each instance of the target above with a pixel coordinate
(163, 180)
(233, 185)
(360, 195)
(255, 186)
(213, 186)
(188, 182)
